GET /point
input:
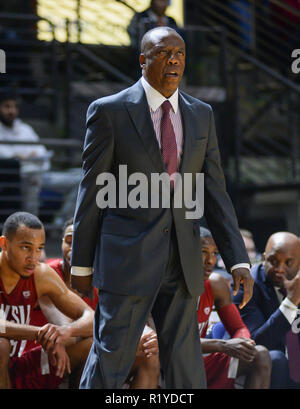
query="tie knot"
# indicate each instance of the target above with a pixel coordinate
(166, 106)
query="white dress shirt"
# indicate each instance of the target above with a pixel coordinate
(287, 307)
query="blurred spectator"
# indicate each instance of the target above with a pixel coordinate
(288, 22)
(34, 159)
(254, 256)
(271, 314)
(152, 17)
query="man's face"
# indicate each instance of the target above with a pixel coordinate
(23, 250)
(163, 61)
(9, 112)
(67, 245)
(209, 255)
(159, 6)
(281, 262)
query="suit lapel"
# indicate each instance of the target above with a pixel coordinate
(139, 112)
(269, 292)
(187, 133)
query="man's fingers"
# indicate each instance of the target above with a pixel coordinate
(248, 290)
(247, 354)
(236, 285)
(52, 359)
(50, 342)
(45, 333)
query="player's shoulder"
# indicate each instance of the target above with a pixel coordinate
(44, 273)
(217, 282)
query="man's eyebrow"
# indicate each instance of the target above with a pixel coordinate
(158, 46)
(30, 243)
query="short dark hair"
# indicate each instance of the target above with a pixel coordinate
(67, 223)
(8, 96)
(17, 219)
(205, 232)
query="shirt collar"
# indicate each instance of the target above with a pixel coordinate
(155, 98)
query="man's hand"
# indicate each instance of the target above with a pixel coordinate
(83, 284)
(241, 348)
(59, 358)
(149, 344)
(50, 335)
(293, 288)
(243, 276)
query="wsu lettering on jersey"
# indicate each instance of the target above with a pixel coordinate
(17, 307)
(20, 314)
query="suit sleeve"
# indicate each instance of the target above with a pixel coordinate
(97, 158)
(264, 332)
(218, 209)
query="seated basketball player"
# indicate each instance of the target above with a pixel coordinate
(227, 359)
(145, 371)
(23, 281)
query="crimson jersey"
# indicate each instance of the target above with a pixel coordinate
(205, 307)
(17, 306)
(56, 264)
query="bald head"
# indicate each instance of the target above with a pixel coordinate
(153, 36)
(282, 257)
(283, 241)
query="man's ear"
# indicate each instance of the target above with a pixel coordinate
(3, 242)
(142, 60)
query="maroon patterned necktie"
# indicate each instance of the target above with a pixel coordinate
(293, 347)
(168, 141)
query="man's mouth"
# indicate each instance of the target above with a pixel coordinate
(172, 74)
(30, 269)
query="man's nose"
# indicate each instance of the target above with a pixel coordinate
(34, 256)
(173, 59)
(280, 269)
(210, 260)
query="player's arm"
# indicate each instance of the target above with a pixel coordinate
(48, 283)
(11, 330)
(18, 332)
(227, 311)
(230, 317)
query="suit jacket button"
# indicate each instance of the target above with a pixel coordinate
(166, 230)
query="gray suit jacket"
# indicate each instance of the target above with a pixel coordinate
(129, 247)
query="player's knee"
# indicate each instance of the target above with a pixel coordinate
(86, 345)
(4, 351)
(262, 359)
